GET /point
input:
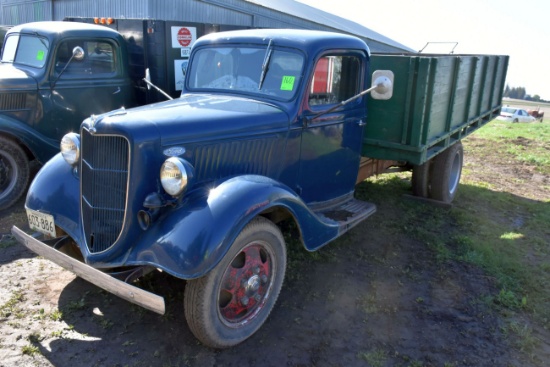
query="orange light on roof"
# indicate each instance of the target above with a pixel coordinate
(96, 20)
(110, 20)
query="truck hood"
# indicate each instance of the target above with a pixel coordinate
(202, 117)
(14, 78)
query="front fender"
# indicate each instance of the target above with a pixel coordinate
(191, 240)
(55, 190)
(40, 146)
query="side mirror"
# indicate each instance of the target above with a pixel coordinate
(78, 53)
(382, 84)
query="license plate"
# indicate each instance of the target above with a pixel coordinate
(41, 222)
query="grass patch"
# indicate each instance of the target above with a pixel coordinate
(505, 234)
(10, 306)
(30, 350)
(528, 143)
(7, 241)
(375, 358)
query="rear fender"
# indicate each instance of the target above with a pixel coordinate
(189, 242)
(41, 147)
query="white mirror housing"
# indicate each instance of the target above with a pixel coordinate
(382, 82)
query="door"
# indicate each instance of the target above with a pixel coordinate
(80, 88)
(331, 142)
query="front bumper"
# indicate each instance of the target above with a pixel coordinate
(124, 290)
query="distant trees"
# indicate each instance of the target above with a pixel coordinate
(521, 93)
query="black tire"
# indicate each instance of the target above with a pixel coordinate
(445, 174)
(421, 180)
(234, 299)
(14, 172)
(515, 120)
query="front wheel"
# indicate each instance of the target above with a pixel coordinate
(14, 172)
(234, 299)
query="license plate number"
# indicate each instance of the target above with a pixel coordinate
(41, 222)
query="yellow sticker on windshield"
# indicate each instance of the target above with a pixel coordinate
(288, 83)
(40, 56)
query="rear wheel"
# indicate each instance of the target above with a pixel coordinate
(234, 299)
(14, 172)
(421, 180)
(445, 173)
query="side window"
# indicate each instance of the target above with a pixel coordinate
(335, 79)
(99, 59)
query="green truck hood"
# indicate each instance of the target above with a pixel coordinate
(13, 78)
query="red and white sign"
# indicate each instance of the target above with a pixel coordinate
(183, 37)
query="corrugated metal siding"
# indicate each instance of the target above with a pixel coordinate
(326, 21)
(101, 8)
(199, 11)
(248, 13)
(15, 12)
(259, 16)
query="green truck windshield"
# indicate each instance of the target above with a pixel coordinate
(239, 69)
(26, 50)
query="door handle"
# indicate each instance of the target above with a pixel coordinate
(117, 90)
(361, 123)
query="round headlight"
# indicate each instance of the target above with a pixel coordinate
(173, 176)
(70, 148)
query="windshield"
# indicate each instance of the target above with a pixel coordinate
(25, 50)
(239, 69)
(508, 110)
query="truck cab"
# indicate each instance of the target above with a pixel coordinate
(45, 91)
(299, 78)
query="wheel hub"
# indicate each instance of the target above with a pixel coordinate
(253, 284)
(245, 285)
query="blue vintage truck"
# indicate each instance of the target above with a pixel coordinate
(271, 126)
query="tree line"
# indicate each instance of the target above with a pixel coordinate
(521, 93)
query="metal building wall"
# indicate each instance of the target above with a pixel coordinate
(16, 11)
(101, 8)
(233, 12)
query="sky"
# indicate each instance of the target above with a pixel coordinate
(520, 29)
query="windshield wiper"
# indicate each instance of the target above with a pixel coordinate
(44, 43)
(265, 65)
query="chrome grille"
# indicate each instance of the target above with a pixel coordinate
(104, 180)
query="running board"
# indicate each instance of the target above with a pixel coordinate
(348, 214)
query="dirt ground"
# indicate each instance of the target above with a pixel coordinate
(372, 298)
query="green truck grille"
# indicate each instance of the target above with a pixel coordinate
(13, 101)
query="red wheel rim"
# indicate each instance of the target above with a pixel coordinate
(245, 285)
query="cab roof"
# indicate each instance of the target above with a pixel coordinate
(306, 40)
(53, 29)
